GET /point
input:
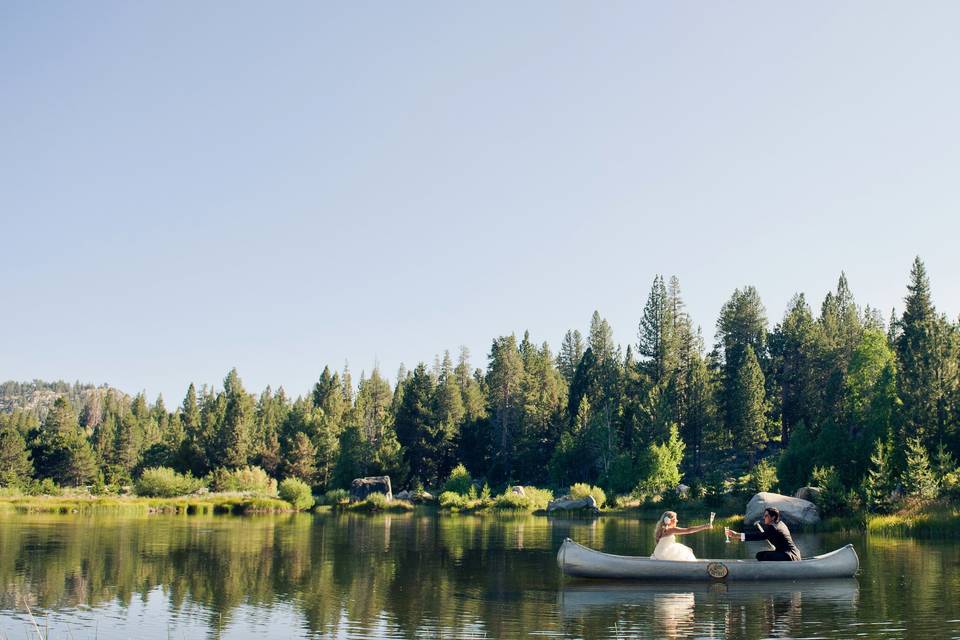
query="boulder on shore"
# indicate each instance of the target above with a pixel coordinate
(794, 512)
(363, 487)
(808, 493)
(518, 490)
(566, 503)
(414, 496)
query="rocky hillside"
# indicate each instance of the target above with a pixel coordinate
(38, 396)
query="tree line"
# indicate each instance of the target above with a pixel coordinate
(837, 397)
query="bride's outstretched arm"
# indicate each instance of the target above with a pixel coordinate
(685, 531)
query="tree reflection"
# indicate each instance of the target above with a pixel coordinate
(411, 574)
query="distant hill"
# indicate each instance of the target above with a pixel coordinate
(38, 396)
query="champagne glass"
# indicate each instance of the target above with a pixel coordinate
(726, 537)
(712, 516)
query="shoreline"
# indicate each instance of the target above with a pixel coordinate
(930, 522)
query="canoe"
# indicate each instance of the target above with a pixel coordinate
(578, 561)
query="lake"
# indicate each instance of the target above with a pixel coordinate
(423, 576)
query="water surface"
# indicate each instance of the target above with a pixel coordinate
(423, 576)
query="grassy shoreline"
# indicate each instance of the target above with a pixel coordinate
(185, 505)
(930, 521)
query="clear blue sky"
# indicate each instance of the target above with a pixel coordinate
(187, 187)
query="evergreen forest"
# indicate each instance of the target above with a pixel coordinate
(836, 397)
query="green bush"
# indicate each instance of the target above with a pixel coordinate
(459, 481)
(380, 502)
(660, 466)
(833, 499)
(246, 479)
(296, 492)
(582, 490)
(453, 500)
(763, 477)
(532, 500)
(164, 482)
(336, 496)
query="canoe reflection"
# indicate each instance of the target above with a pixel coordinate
(578, 595)
(675, 610)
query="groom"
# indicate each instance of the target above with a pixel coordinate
(774, 531)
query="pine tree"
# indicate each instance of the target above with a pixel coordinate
(919, 360)
(795, 349)
(742, 324)
(15, 465)
(878, 485)
(300, 459)
(571, 351)
(448, 413)
(918, 478)
(471, 389)
(655, 341)
(504, 380)
(748, 406)
(374, 399)
(354, 455)
(233, 448)
(416, 427)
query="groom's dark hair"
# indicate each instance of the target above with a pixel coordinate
(774, 513)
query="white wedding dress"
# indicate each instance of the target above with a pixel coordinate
(669, 549)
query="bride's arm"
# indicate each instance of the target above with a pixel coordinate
(685, 531)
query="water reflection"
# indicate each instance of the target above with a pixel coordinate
(416, 575)
(677, 610)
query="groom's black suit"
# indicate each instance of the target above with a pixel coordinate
(779, 535)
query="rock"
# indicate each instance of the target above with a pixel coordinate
(424, 496)
(683, 491)
(568, 504)
(518, 490)
(403, 495)
(794, 512)
(811, 494)
(363, 487)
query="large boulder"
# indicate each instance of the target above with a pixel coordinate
(566, 503)
(363, 487)
(811, 494)
(414, 496)
(795, 512)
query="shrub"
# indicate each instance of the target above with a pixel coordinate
(582, 490)
(296, 492)
(453, 500)
(246, 479)
(380, 502)
(336, 496)
(164, 482)
(763, 477)
(833, 497)
(918, 478)
(661, 464)
(532, 499)
(459, 481)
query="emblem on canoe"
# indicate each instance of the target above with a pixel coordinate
(717, 570)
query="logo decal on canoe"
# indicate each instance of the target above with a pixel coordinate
(717, 570)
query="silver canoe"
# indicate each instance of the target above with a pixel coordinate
(579, 561)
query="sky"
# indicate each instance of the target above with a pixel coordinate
(190, 187)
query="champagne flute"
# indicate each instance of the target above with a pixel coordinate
(712, 516)
(726, 537)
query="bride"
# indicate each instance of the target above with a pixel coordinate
(666, 536)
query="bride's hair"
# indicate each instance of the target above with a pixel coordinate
(662, 524)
